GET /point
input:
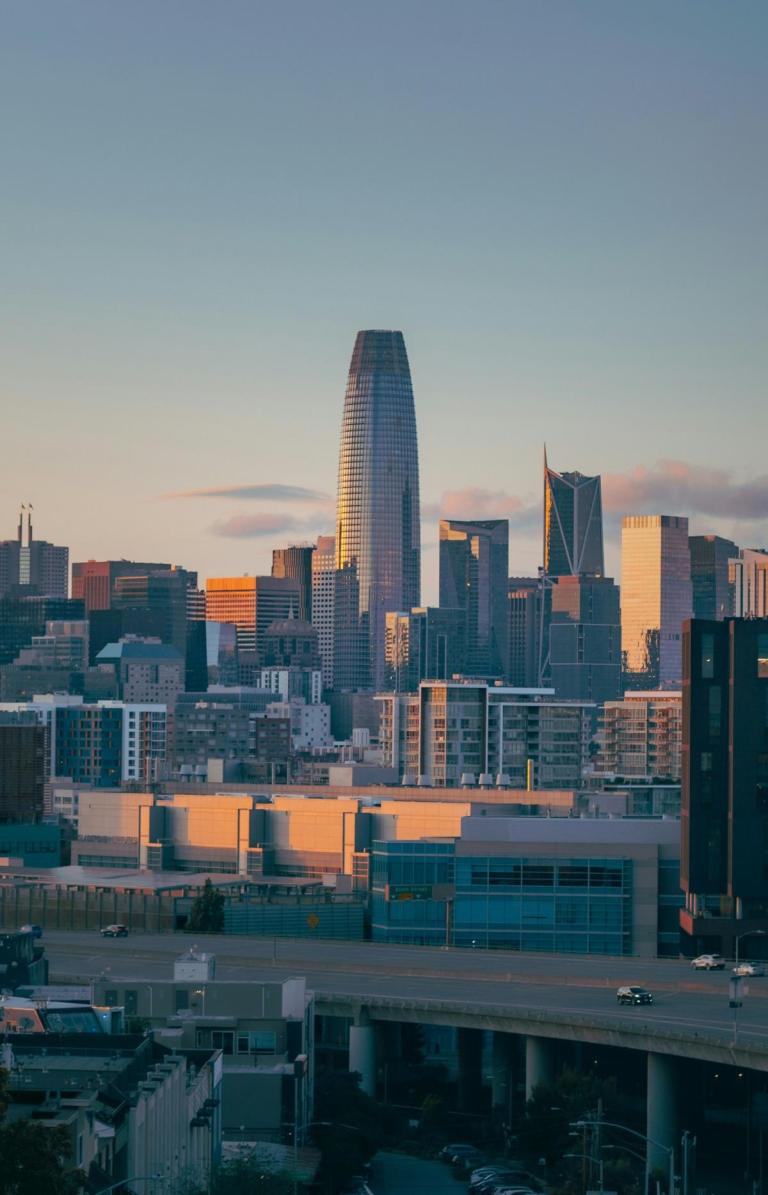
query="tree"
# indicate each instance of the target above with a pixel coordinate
(348, 1125)
(549, 1113)
(33, 1159)
(207, 912)
(252, 1175)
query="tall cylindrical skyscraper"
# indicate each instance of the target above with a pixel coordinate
(378, 533)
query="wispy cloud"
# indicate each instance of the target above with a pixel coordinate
(254, 526)
(675, 487)
(474, 502)
(268, 492)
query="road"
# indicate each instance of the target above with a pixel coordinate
(686, 1002)
(398, 1174)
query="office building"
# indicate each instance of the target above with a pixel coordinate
(296, 562)
(426, 644)
(221, 652)
(94, 581)
(22, 767)
(145, 672)
(464, 734)
(573, 524)
(24, 618)
(291, 643)
(724, 783)
(252, 604)
(748, 575)
(229, 727)
(474, 569)
(32, 566)
(54, 661)
(524, 602)
(710, 583)
(640, 737)
(324, 602)
(585, 638)
(378, 535)
(656, 599)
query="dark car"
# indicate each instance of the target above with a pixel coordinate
(634, 995)
(115, 931)
(35, 930)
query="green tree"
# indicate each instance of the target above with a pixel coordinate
(348, 1126)
(545, 1128)
(207, 912)
(252, 1175)
(33, 1159)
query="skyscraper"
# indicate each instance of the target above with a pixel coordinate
(94, 580)
(32, 566)
(656, 599)
(585, 639)
(296, 562)
(573, 524)
(324, 601)
(252, 604)
(524, 611)
(474, 568)
(748, 576)
(709, 575)
(378, 534)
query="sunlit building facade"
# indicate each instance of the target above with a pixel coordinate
(656, 598)
(378, 537)
(252, 604)
(296, 562)
(573, 524)
(324, 601)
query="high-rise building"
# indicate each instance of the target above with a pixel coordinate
(573, 524)
(94, 580)
(24, 618)
(585, 639)
(378, 534)
(32, 566)
(296, 562)
(474, 569)
(252, 604)
(748, 574)
(22, 767)
(709, 575)
(656, 599)
(164, 604)
(724, 802)
(524, 601)
(324, 601)
(427, 643)
(640, 737)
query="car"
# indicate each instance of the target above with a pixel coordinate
(449, 1152)
(754, 969)
(115, 931)
(500, 1178)
(708, 962)
(35, 930)
(634, 995)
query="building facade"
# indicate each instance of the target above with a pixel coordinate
(474, 569)
(585, 638)
(656, 599)
(710, 583)
(748, 574)
(252, 604)
(33, 565)
(524, 612)
(641, 736)
(378, 525)
(145, 672)
(93, 581)
(324, 602)
(296, 562)
(23, 770)
(427, 643)
(573, 524)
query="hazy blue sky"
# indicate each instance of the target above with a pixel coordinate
(562, 204)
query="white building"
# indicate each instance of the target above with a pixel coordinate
(324, 601)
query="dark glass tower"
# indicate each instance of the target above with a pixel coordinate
(378, 535)
(474, 569)
(573, 524)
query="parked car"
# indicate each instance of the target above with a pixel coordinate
(749, 969)
(465, 1163)
(35, 930)
(115, 931)
(449, 1152)
(634, 995)
(708, 962)
(499, 1178)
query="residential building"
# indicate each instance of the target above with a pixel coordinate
(146, 671)
(585, 638)
(378, 535)
(724, 782)
(296, 562)
(310, 723)
(252, 604)
(656, 599)
(229, 725)
(524, 647)
(710, 584)
(94, 581)
(32, 566)
(324, 601)
(23, 771)
(573, 524)
(748, 574)
(640, 736)
(474, 569)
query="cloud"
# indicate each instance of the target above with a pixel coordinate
(269, 492)
(253, 526)
(675, 487)
(474, 502)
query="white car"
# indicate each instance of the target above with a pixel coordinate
(708, 962)
(749, 969)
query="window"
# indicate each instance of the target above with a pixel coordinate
(707, 656)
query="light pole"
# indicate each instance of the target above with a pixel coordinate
(669, 1149)
(590, 1159)
(748, 933)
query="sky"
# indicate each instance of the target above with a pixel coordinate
(562, 205)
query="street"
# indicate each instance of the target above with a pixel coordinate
(399, 1174)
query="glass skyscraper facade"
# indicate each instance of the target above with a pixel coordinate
(474, 571)
(573, 524)
(378, 533)
(656, 598)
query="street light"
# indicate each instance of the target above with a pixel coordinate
(748, 933)
(590, 1159)
(669, 1149)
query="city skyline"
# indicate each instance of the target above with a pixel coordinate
(581, 264)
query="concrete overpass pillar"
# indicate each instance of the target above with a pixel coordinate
(362, 1051)
(469, 1048)
(539, 1062)
(501, 1076)
(661, 1110)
